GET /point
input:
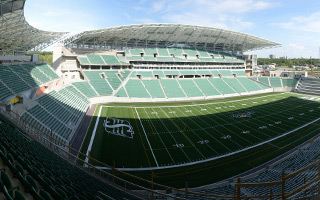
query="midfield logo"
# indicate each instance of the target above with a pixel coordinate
(118, 127)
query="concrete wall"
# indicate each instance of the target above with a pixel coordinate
(110, 99)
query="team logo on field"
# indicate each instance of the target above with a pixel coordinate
(118, 127)
(247, 114)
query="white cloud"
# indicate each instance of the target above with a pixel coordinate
(308, 23)
(235, 6)
(299, 35)
(203, 19)
(297, 46)
(159, 5)
(61, 20)
(291, 50)
(216, 6)
(302, 38)
(228, 14)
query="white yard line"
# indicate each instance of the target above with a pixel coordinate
(152, 125)
(217, 157)
(171, 135)
(93, 136)
(197, 135)
(144, 131)
(208, 134)
(186, 137)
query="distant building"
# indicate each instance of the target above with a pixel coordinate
(251, 63)
(272, 56)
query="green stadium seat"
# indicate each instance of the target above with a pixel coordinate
(225, 73)
(275, 82)
(135, 58)
(150, 51)
(154, 88)
(204, 72)
(187, 72)
(206, 59)
(206, 87)
(47, 71)
(18, 196)
(85, 88)
(95, 59)
(190, 88)
(171, 54)
(110, 60)
(144, 74)
(221, 86)
(159, 73)
(12, 80)
(171, 73)
(235, 84)
(264, 80)
(83, 60)
(163, 52)
(165, 59)
(4, 91)
(191, 52)
(251, 85)
(113, 78)
(239, 72)
(121, 93)
(136, 89)
(46, 175)
(45, 195)
(289, 82)
(58, 112)
(15, 79)
(203, 54)
(136, 52)
(98, 80)
(177, 52)
(149, 58)
(172, 88)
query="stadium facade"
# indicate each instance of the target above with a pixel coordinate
(154, 52)
(60, 107)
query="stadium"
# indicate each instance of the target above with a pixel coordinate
(151, 111)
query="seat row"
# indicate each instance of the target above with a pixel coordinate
(15, 79)
(45, 175)
(309, 86)
(181, 88)
(58, 113)
(277, 82)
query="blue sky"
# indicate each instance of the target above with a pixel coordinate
(293, 23)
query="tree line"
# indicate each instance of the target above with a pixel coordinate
(289, 62)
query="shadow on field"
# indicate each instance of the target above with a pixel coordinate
(123, 152)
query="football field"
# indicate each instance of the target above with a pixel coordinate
(160, 136)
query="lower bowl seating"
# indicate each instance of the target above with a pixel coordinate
(44, 174)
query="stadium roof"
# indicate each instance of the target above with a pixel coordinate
(15, 32)
(166, 35)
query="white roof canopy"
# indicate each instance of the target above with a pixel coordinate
(16, 34)
(166, 35)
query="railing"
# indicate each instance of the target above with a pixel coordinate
(282, 184)
(148, 189)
